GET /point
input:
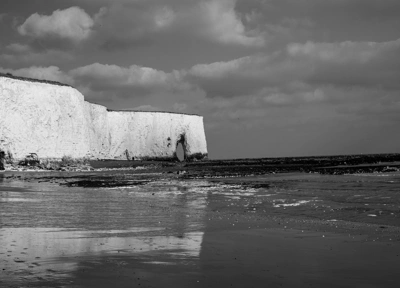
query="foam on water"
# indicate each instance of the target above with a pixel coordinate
(176, 187)
(298, 203)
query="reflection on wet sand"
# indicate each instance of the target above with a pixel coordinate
(156, 225)
(31, 254)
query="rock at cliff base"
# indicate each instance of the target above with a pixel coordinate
(30, 160)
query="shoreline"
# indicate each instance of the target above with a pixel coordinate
(228, 168)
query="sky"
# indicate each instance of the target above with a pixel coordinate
(272, 78)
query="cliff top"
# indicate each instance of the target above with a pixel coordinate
(143, 111)
(9, 75)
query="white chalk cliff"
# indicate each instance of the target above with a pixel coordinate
(55, 121)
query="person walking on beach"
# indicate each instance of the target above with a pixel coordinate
(2, 160)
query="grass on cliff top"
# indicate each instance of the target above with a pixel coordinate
(9, 75)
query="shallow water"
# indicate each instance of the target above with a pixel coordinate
(349, 197)
(48, 233)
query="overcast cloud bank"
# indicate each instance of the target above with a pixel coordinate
(290, 69)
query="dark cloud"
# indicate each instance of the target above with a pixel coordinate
(363, 64)
(17, 55)
(349, 63)
(212, 20)
(115, 45)
(331, 20)
(319, 76)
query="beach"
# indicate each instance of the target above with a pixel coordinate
(161, 228)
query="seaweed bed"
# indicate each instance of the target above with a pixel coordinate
(114, 173)
(337, 165)
(106, 182)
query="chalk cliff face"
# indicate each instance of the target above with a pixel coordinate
(54, 121)
(153, 134)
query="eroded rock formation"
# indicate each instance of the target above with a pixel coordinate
(53, 121)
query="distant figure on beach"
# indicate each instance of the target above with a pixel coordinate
(2, 160)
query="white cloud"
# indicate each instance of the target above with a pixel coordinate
(22, 54)
(243, 76)
(18, 48)
(163, 17)
(108, 77)
(314, 95)
(123, 24)
(134, 23)
(343, 52)
(349, 63)
(224, 25)
(219, 69)
(73, 24)
(277, 99)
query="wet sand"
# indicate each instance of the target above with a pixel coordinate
(293, 230)
(236, 258)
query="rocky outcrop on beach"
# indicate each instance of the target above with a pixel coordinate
(55, 121)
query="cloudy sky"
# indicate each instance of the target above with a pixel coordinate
(270, 77)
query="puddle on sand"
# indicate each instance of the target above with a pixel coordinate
(48, 254)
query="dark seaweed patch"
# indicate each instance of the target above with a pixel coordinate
(104, 183)
(259, 185)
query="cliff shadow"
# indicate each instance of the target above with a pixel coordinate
(181, 150)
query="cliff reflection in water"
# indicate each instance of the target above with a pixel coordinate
(45, 236)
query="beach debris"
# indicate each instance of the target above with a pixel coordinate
(30, 160)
